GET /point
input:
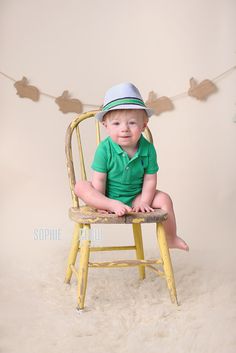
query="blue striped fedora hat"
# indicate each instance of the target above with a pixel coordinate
(123, 96)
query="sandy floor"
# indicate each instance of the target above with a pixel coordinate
(123, 314)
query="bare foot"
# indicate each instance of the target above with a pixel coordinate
(177, 243)
(118, 207)
(102, 211)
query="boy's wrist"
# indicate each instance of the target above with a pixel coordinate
(146, 202)
(147, 198)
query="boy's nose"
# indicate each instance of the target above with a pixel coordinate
(125, 127)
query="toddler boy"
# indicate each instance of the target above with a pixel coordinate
(125, 167)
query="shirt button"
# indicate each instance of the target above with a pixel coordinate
(123, 154)
(127, 168)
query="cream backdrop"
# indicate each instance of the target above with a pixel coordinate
(85, 47)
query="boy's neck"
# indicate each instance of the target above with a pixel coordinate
(130, 150)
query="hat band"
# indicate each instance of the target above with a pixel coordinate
(122, 101)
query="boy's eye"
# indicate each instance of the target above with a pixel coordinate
(115, 123)
(132, 122)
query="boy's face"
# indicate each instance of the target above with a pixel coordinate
(125, 126)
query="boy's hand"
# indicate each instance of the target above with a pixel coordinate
(141, 207)
(118, 207)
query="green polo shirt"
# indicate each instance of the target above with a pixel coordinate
(124, 174)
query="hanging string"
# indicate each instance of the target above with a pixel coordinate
(217, 78)
(47, 94)
(231, 69)
(175, 97)
(7, 76)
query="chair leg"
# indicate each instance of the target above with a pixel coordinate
(83, 270)
(137, 231)
(167, 265)
(73, 251)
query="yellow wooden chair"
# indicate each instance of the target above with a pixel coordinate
(85, 216)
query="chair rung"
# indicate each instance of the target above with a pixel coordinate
(159, 273)
(74, 270)
(111, 248)
(125, 263)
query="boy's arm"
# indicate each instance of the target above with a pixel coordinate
(149, 188)
(143, 203)
(99, 181)
(95, 196)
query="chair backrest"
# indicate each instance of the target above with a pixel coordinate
(74, 129)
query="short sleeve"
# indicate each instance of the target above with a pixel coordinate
(100, 159)
(152, 167)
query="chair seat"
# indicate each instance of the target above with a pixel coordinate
(89, 215)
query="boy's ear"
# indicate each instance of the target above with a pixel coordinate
(104, 123)
(145, 121)
(144, 124)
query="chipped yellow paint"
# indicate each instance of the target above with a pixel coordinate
(88, 209)
(167, 264)
(111, 248)
(95, 220)
(83, 273)
(138, 220)
(73, 252)
(125, 263)
(90, 220)
(137, 232)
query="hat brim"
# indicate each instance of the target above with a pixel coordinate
(99, 116)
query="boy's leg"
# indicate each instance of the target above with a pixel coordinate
(163, 201)
(92, 197)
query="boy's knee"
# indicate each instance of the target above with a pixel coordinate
(77, 188)
(165, 201)
(168, 201)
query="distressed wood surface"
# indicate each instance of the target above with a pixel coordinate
(89, 215)
(125, 263)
